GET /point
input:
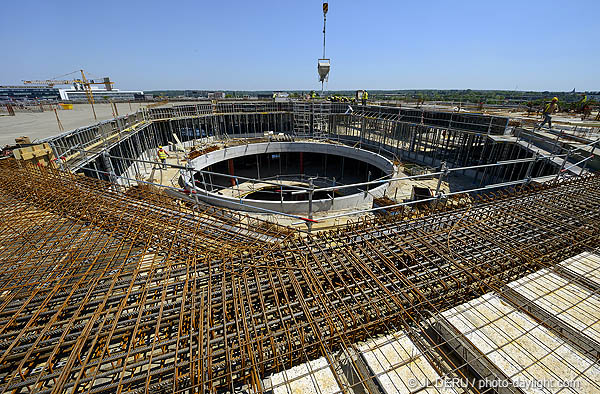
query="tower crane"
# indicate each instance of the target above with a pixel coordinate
(323, 64)
(79, 83)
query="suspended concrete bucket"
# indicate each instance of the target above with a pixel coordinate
(323, 67)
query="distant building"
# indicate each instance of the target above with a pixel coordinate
(22, 93)
(216, 95)
(193, 93)
(594, 96)
(101, 94)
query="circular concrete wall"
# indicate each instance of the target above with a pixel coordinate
(355, 200)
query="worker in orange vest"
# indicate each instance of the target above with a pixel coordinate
(162, 155)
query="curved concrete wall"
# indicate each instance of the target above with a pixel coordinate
(362, 199)
(233, 152)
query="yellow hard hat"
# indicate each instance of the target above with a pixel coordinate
(160, 147)
(555, 99)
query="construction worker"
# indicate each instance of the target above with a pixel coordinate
(549, 109)
(162, 156)
(529, 107)
(365, 97)
(313, 95)
(584, 107)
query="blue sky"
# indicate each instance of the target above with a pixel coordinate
(269, 44)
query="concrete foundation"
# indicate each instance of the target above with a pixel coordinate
(301, 207)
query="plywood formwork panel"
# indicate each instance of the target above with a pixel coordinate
(527, 352)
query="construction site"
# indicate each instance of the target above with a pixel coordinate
(299, 246)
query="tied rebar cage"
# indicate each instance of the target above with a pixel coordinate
(107, 288)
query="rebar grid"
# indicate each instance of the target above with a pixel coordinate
(106, 290)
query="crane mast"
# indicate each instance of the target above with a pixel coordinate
(88, 92)
(79, 83)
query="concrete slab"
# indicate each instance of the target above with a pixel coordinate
(585, 264)
(527, 352)
(402, 190)
(574, 169)
(312, 377)
(572, 304)
(399, 366)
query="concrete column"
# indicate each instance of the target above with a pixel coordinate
(257, 168)
(231, 171)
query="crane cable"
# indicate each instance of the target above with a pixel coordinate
(64, 75)
(325, 9)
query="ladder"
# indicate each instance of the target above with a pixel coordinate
(302, 118)
(321, 115)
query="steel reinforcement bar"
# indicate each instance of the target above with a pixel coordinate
(111, 290)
